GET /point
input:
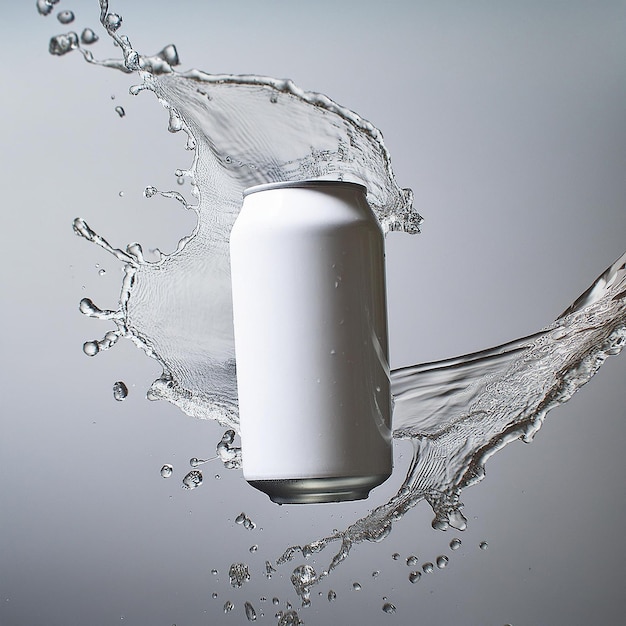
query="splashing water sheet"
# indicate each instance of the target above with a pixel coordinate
(451, 416)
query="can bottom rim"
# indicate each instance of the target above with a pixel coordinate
(318, 490)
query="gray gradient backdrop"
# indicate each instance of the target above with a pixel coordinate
(508, 121)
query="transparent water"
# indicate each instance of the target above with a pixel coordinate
(252, 129)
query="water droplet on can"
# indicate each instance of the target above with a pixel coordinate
(483, 545)
(214, 595)
(395, 556)
(120, 390)
(120, 111)
(253, 548)
(428, 567)
(91, 348)
(356, 586)
(442, 561)
(332, 596)
(62, 44)
(166, 470)
(65, 17)
(412, 561)
(250, 612)
(228, 606)
(192, 480)
(214, 572)
(375, 574)
(389, 608)
(238, 574)
(414, 577)
(45, 6)
(455, 544)
(88, 36)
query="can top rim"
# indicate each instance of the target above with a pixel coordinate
(303, 184)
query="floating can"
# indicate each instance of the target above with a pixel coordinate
(310, 323)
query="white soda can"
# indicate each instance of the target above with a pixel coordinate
(310, 321)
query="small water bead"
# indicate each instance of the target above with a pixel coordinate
(356, 586)
(455, 544)
(269, 569)
(91, 348)
(442, 561)
(192, 480)
(45, 6)
(150, 191)
(195, 461)
(395, 556)
(428, 567)
(253, 549)
(275, 601)
(214, 595)
(250, 612)
(180, 180)
(375, 574)
(238, 574)
(112, 22)
(167, 470)
(332, 596)
(228, 606)
(483, 545)
(88, 37)
(62, 44)
(412, 561)
(214, 572)
(120, 391)
(102, 272)
(65, 17)
(120, 111)
(414, 577)
(389, 608)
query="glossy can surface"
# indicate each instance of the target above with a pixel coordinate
(310, 320)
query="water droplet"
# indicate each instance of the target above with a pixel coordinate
(228, 606)
(62, 44)
(442, 561)
(88, 36)
(412, 561)
(250, 612)
(91, 348)
(414, 577)
(375, 574)
(217, 476)
(65, 17)
(195, 461)
(45, 6)
(120, 111)
(269, 569)
(253, 549)
(275, 601)
(112, 22)
(395, 556)
(214, 595)
(240, 518)
(238, 574)
(455, 544)
(192, 480)
(389, 608)
(214, 572)
(356, 586)
(166, 470)
(332, 596)
(428, 567)
(483, 545)
(120, 390)
(102, 272)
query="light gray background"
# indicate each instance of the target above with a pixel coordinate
(507, 120)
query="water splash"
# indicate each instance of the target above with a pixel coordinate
(246, 130)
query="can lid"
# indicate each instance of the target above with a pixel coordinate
(304, 184)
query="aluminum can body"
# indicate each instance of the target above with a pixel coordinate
(310, 323)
